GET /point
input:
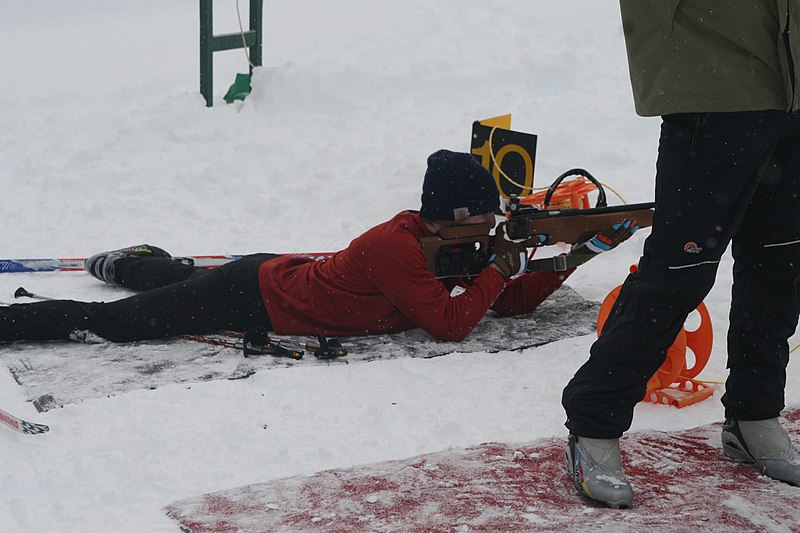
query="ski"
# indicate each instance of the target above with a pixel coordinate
(17, 424)
(75, 264)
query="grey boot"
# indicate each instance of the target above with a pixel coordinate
(596, 469)
(764, 443)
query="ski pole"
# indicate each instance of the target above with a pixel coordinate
(259, 344)
(250, 348)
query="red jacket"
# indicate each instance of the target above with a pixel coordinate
(381, 284)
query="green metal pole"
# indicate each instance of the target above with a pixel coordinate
(207, 51)
(210, 43)
(256, 25)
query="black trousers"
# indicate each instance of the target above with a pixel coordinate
(177, 299)
(721, 178)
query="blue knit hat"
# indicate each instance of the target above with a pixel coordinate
(456, 187)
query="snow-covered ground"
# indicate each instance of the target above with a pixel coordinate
(105, 141)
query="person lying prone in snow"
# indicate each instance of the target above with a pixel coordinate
(380, 283)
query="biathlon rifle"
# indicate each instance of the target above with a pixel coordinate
(465, 250)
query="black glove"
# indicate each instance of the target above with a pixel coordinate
(606, 240)
(508, 256)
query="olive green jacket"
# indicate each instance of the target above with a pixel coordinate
(692, 56)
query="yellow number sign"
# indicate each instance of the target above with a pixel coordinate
(508, 155)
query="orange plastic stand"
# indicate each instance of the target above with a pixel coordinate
(674, 383)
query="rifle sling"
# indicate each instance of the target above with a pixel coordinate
(558, 263)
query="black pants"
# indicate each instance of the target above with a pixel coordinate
(721, 178)
(177, 299)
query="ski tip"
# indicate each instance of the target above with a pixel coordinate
(23, 426)
(29, 428)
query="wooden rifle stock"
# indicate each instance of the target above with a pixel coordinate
(574, 225)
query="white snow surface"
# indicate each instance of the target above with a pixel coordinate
(107, 142)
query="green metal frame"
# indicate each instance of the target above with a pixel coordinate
(210, 43)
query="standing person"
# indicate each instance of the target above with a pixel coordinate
(379, 284)
(723, 76)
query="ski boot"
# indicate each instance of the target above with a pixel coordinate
(596, 469)
(102, 267)
(765, 444)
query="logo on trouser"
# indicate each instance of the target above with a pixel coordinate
(692, 248)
